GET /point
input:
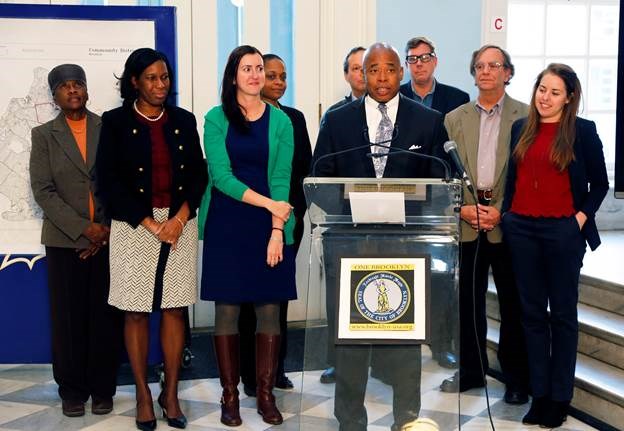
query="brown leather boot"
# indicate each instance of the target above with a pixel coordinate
(228, 358)
(267, 352)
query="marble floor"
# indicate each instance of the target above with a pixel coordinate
(29, 402)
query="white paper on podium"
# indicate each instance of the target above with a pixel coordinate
(377, 207)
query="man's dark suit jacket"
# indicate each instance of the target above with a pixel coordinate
(416, 127)
(445, 97)
(342, 102)
(301, 159)
(588, 167)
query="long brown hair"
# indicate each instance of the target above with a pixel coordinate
(562, 152)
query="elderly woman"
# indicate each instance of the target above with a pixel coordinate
(152, 176)
(556, 181)
(249, 148)
(86, 331)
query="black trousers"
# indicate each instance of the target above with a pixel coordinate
(512, 353)
(247, 327)
(547, 257)
(87, 333)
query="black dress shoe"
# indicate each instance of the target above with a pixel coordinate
(461, 384)
(73, 409)
(249, 390)
(283, 382)
(447, 360)
(101, 406)
(177, 422)
(515, 395)
(146, 425)
(536, 412)
(329, 375)
(555, 414)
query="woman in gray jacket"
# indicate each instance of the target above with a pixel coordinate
(86, 331)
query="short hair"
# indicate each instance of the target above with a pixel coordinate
(269, 57)
(507, 64)
(229, 103)
(139, 60)
(415, 41)
(345, 64)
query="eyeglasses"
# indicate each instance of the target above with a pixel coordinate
(492, 65)
(424, 58)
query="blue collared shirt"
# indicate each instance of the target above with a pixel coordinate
(428, 99)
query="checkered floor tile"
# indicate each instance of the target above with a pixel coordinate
(29, 402)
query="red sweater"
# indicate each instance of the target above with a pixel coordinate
(161, 162)
(542, 190)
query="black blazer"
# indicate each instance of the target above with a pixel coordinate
(415, 126)
(587, 168)
(445, 97)
(124, 163)
(301, 159)
(342, 102)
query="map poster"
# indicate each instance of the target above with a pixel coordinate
(383, 300)
(29, 49)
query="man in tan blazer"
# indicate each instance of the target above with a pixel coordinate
(481, 128)
(86, 331)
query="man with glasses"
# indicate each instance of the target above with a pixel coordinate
(421, 61)
(354, 75)
(482, 130)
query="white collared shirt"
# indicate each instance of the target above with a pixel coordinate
(373, 115)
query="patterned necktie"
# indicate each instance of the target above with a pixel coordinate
(383, 137)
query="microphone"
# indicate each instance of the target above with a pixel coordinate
(395, 135)
(394, 151)
(450, 148)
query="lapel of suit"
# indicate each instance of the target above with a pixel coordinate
(366, 136)
(65, 140)
(93, 137)
(471, 126)
(508, 116)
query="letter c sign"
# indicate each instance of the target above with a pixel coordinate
(497, 24)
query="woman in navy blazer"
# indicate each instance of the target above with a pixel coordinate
(556, 182)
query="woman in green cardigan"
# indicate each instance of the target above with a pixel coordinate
(248, 232)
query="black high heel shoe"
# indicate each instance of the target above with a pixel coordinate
(179, 422)
(145, 425)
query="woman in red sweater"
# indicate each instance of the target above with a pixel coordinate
(556, 182)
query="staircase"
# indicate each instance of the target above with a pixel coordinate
(599, 385)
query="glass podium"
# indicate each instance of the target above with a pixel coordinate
(381, 303)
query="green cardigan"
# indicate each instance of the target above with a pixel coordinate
(281, 147)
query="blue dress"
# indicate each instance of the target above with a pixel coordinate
(234, 268)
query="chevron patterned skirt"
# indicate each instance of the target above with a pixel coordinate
(147, 274)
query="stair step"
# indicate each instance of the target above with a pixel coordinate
(599, 388)
(601, 333)
(603, 294)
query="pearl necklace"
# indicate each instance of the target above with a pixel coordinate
(145, 116)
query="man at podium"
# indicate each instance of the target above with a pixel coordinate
(370, 138)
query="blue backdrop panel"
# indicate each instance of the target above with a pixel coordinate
(24, 305)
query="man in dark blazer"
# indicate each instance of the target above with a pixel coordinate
(413, 128)
(353, 74)
(86, 331)
(421, 61)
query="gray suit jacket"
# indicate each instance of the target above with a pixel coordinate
(463, 126)
(61, 180)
